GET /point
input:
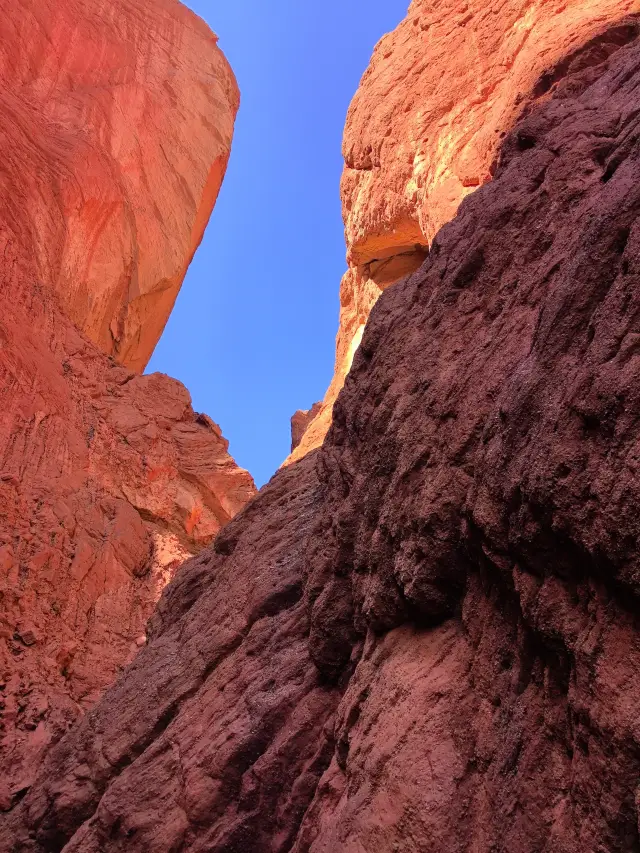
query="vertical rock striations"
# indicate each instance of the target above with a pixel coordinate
(116, 125)
(424, 635)
(424, 129)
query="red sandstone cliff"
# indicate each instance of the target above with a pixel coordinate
(112, 161)
(424, 129)
(424, 635)
(116, 121)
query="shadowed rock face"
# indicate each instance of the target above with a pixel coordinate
(423, 636)
(115, 123)
(425, 125)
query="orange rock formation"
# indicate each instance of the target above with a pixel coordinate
(424, 129)
(112, 163)
(116, 126)
(425, 635)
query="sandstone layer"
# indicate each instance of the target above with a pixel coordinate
(117, 125)
(423, 636)
(300, 422)
(425, 126)
(116, 122)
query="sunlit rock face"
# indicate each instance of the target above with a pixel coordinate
(112, 162)
(299, 423)
(115, 122)
(423, 636)
(425, 126)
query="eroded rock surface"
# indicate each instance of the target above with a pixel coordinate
(425, 126)
(116, 122)
(117, 125)
(300, 422)
(423, 636)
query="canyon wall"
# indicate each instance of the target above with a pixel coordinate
(116, 126)
(424, 635)
(424, 129)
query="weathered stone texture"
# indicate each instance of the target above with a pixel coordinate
(423, 636)
(115, 125)
(425, 126)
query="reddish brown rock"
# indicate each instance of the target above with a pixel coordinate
(116, 122)
(424, 635)
(360, 289)
(112, 161)
(108, 482)
(424, 128)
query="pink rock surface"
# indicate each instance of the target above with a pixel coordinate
(118, 119)
(116, 122)
(424, 635)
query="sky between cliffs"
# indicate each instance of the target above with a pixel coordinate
(253, 332)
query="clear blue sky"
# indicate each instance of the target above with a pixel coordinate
(253, 332)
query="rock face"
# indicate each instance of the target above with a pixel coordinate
(423, 636)
(113, 163)
(299, 423)
(116, 125)
(424, 129)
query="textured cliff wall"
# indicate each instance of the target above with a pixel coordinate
(116, 122)
(112, 163)
(424, 129)
(424, 635)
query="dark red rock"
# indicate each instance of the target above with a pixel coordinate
(424, 636)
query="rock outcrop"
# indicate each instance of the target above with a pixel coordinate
(424, 635)
(113, 162)
(300, 422)
(425, 126)
(116, 123)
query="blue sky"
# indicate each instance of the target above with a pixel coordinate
(253, 332)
